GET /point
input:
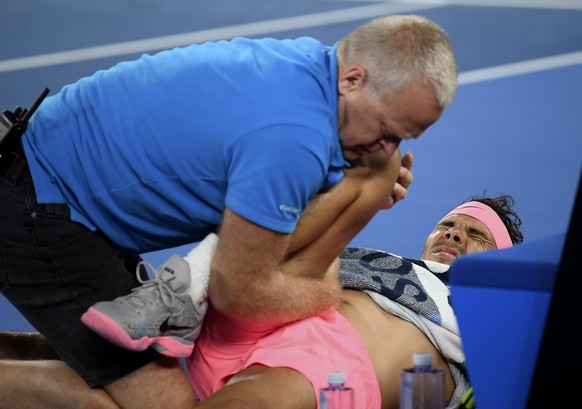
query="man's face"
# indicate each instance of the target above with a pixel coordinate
(368, 125)
(455, 236)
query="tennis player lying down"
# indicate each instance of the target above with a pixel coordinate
(371, 335)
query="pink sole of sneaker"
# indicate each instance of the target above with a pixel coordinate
(111, 331)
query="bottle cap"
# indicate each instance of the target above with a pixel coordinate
(422, 359)
(336, 377)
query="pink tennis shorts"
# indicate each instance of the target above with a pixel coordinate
(313, 347)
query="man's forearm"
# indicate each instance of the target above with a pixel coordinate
(262, 275)
(284, 298)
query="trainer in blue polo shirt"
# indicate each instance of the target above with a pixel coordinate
(151, 151)
(285, 148)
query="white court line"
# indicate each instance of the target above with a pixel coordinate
(520, 68)
(242, 30)
(284, 24)
(532, 4)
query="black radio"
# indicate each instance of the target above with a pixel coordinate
(14, 123)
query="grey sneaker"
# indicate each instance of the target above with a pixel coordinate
(161, 313)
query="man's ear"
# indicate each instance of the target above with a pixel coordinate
(351, 78)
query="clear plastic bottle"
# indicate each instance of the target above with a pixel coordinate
(421, 387)
(336, 395)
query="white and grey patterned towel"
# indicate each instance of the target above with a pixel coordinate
(417, 284)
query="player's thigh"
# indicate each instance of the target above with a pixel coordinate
(261, 387)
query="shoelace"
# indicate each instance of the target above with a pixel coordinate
(138, 301)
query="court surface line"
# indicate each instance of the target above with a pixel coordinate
(242, 30)
(283, 24)
(530, 4)
(520, 68)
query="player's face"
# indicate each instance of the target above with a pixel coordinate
(455, 236)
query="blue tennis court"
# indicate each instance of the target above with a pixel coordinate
(514, 127)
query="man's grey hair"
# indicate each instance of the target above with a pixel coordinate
(399, 50)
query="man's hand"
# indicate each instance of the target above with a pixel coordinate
(405, 178)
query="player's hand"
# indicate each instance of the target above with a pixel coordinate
(405, 178)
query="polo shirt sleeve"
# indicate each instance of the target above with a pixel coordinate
(273, 172)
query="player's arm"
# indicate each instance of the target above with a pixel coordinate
(263, 275)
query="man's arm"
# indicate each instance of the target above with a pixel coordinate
(263, 275)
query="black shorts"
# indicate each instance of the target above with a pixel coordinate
(53, 269)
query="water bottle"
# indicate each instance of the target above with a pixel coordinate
(336, 395)
(422, 386)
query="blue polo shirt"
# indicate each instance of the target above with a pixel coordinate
(151, 151)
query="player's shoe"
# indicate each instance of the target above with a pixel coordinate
(161, 313)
